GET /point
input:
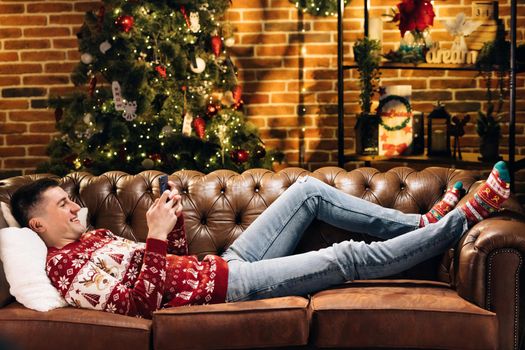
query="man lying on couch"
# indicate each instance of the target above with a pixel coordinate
(98, 270)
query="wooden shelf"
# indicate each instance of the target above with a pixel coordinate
(469, 160)
(426, 66)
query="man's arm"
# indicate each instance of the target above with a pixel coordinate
(95, 288)
(177, 242)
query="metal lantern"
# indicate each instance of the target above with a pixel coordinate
(439, 132)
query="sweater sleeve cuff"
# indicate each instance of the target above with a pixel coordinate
(156, 246)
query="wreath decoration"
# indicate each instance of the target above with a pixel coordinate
(401, 99)
(322, 8)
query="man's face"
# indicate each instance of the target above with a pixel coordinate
(57, 218)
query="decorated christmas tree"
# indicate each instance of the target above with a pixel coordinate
(156, 89)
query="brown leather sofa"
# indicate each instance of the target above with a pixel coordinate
(468, 298)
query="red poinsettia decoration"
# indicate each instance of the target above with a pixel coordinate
(414, 15)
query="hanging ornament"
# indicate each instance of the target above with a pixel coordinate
(259, 152)
(229, 42)
(186, 124)
(167, 130)
(185, 14)
(88, 118)
(147, 163)
(161, 70)
(195, 26)
(92, 86)
(227, 99)
(237, 96)
(199, 125)
(216, 45)
(117, 96)
(130, 111)
(201, 66)
(125, 23)
(240, 155)
(212, 110)
(237, 93)
(86, 58)
(59, 112)
(104, 47)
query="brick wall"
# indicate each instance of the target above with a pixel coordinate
(287, 62)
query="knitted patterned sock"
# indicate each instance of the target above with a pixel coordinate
(490, 196)
(445, 205)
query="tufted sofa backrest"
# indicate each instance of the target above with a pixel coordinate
(219, 206)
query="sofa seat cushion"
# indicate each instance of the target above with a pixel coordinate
(400, 314)
(71, 328)
(251, 324)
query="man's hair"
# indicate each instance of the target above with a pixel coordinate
(27, 197)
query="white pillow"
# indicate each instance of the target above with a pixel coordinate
(8, 216)
(11, 221)
(23, 254)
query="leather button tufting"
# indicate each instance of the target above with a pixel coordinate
(223, 190)
(203, 221)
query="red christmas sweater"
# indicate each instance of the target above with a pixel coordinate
(106, 272)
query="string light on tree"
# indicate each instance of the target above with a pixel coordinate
(152, 52)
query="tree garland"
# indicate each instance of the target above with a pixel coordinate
(401, 99)
(322, 8)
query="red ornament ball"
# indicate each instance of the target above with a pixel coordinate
(87, 162)
(125, 23)
(240, 155)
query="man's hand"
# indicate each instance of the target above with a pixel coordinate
(163, 213)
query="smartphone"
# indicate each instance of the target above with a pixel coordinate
(163, 183)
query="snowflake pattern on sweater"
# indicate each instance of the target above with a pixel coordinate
(106, 272)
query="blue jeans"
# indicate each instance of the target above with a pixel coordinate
(261, 264)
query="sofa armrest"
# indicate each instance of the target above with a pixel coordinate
(488, 265)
